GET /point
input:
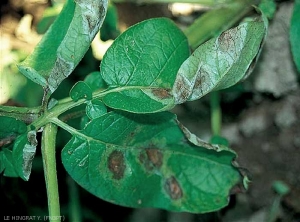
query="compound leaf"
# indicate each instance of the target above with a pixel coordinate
(145, 161)
(141, 65)
(220, 62)
(65, 43)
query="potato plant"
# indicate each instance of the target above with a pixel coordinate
(131, 149)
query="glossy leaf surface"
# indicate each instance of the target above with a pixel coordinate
(10, 128)
(81, 91)
(65, 43)
(95, 81)
(10, 131)
(95, 109)
(220, 62)
(141, 65)
(6, 163)
(145, 161)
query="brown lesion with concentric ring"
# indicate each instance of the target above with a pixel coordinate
(173, 189)
(151, 158)
(116, 164)
(161, 93)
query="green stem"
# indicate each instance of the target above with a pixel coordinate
(25, 114)
(275, 208)
(49, 163)
(74, 202)
(66, 127)
(67, 104)
(216, 21)
(216, 113)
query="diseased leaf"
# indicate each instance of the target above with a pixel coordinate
(218, 147)
(295, 34)
(81, 91)
(220, 62)
(59, 52)
(145, 161)
(6, 163)
(95, 109)
(23, 153)
(216, 20)
(219, 140)
(149, 55)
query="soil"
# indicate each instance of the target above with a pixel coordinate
(263, 127)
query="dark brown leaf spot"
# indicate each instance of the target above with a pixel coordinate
(161, 93)
(181, 89)
(200, 79)
(151, 158)
(116, 164)
(173, 188)
(91, 23)
(155, 157)
(226, 40)
(143, 160)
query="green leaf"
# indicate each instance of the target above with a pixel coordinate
(95, 109)
(216, 20)
(83, 121)
(219, 140)
(81, 91)
(145, 161)
(6, 163)
(10, 128)
(141, 65)
(220, 62)
(65, 43)
(280, 187)
(268, 7)
(23, 153)
(295, 34)
(95, 81)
